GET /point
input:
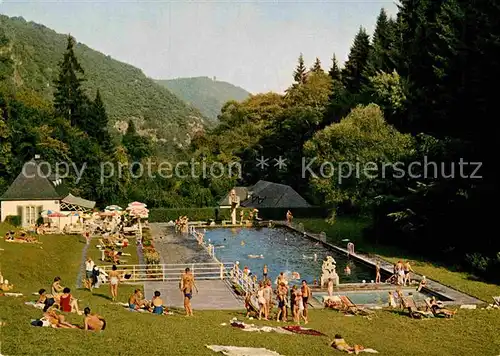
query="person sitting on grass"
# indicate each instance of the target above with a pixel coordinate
(439, 310)
(68, 303)
(57, 289)
(157, 304)
(93, 322)
(132, 301)
(47, 300)
(340, 344)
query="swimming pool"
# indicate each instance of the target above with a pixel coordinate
(283, 251)
(379, 297)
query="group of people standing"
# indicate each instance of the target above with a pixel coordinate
(296, 297)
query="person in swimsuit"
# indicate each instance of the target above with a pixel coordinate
(306, 294)
(56, 287)
(407, 270)
(299, 300)
(330, 287)
(68, 303)
(187, 284)
(89, 267)
(93, 322)
(340, 344)
(293, 304)
(268, 296)
(377, 273)
(157, 304)
(57, 320)
(132, 301)
(264, 272)
(282, 292)
(114, 277)
(262, 301)
(47, 300)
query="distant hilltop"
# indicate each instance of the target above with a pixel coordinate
(205, 94)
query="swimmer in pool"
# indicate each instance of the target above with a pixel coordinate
(242, 243)
(347, 270)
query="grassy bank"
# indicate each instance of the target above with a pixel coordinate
(351, 228)
(31, 267)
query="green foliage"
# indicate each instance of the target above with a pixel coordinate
(125, 90)
(13, 220)
(300, 71)
(194, 214)
(354, 71)
(205, 94)
(334, 71)
(363, 138)
(316, 68)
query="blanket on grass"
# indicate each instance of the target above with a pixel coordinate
(297, 329)
(242, 351)
(252, 327)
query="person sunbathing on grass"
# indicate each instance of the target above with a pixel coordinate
(57, 320)
(132, 300)
(93, 322)
(340, 344)
(47, 300)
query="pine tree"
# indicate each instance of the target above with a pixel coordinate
(353, 74)
(316, 68)
(100, 125)
(382, 43)
(69, 99)
(300, 71)
(334, 71)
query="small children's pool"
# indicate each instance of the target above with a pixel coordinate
(373, 297)
(282, 250)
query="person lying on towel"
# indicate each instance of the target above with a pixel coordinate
(340, 344)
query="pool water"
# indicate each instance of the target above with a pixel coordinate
(283, 250)
(373, 297)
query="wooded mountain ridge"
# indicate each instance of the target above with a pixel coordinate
(126, 91)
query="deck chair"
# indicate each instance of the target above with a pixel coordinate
(413, 310)
(333, 302)
(352, 308)
(496, 301)
(437, 311)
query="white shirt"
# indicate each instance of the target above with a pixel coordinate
(89, 265)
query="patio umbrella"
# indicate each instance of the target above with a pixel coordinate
(113, 208)
(139, 212)
(56, 214)
(71, 214)
(136, 204)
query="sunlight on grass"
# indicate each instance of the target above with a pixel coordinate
(129, 333)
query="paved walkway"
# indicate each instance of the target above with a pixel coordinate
(213, 295)
(455, 296)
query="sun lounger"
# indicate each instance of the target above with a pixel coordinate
(352, 308)
(496, 300)
(438, 311)
(410, 304)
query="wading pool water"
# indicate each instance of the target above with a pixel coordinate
(282, 250)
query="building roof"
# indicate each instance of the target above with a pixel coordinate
(241, 192)
(71, 199)
(266, 194)
(33, 183)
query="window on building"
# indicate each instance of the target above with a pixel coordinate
(30, 215)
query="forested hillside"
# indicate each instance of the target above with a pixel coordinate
(126, 91)
(206, 94)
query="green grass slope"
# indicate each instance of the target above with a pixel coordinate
(205, 94)
(126, 91)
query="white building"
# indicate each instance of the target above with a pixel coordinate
(34, 191)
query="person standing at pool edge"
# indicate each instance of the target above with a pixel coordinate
(306, 294)
(377, 273)
(186, 286)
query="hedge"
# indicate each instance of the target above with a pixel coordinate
(13, 220)
(206, 214)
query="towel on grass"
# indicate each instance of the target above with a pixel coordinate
(36, 305)
(242, 351)
(300, 330)
(252, 327)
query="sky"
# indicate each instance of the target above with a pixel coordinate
(252, 44)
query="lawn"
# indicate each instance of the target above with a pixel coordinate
(29, 268)
(350, 228)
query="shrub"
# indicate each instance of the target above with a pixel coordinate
(13, 220)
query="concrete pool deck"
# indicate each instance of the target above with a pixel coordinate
(433, 287)
(184, 249)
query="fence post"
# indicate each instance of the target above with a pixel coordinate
(192, 269)
(221, 271)
(133, 272)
